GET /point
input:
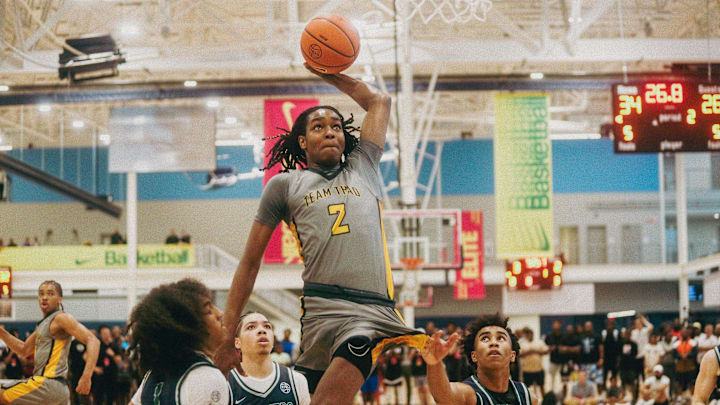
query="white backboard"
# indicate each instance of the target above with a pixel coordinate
(161, 139)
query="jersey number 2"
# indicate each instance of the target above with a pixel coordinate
(338, 227)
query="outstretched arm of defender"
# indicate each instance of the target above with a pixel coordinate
(22, 349)
(706, 379)
(375, 102)
(74, 328)
(442, 390)
(240, 290)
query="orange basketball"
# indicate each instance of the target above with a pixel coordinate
(330, 43)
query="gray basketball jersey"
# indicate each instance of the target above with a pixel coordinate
(51, 355)
(336, 217)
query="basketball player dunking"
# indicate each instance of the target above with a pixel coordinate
(333, 206)
(266, 382)
(491, 346)
(708, 379)
(51, 344)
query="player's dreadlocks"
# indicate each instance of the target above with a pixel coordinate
(287, 150)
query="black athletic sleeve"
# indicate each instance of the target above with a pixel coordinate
(273, 202)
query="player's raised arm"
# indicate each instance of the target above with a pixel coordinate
(375, 102)
(21, 348)
(240, 290)
(442, 390)
(74, 328)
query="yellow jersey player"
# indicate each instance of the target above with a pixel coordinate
(332, 202)
(51, 344)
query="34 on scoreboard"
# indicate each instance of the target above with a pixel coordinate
(666, 116)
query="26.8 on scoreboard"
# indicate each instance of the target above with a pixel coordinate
(666, 116)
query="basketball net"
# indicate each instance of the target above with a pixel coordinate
(450, 11)
(410, 291)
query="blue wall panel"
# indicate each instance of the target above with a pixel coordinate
(467, 169)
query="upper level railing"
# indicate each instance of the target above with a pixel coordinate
(215, 259)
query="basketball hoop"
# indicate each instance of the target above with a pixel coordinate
(410, 291)
(450, 11)
(411, 263)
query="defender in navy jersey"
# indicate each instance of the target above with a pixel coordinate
(708, 379)
(265, 382)
(330, 198)
(491, 346)
(50, 342)
(174, 329)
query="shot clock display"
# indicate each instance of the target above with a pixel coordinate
(666, 116)
(534, 273)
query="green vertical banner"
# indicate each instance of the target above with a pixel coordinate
(523, 176)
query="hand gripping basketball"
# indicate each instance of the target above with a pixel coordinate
(330, 43)
(227, 356)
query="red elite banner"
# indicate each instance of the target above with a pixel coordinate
(283, 247)
(468, 280)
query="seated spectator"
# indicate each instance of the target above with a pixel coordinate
(116, 238)
(656, 388)
(615, 393)
(172, 238)
(184, 237)
(36, 241)
(12, 243)
(279, 356)
(582, 391)
(27, 242)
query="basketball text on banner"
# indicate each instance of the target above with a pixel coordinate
(523, 176)
(468, 280)
(95, 257)
(281, 113)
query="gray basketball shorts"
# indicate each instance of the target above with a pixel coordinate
(328, 323)
(36, 390)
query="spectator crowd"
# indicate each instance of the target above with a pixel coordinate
(572, 364)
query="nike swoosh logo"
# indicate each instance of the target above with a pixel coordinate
(354, 349)
(79, 262)
(240, 400)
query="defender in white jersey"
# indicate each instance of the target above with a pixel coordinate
(265, 382)
(174, 331)
(332, 204)
(708, 379)
(491, 346)
(50, 342)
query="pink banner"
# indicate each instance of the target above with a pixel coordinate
(280, 113)
(468, 280)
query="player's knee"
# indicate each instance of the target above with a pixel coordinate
(358, 351)
(312, 376)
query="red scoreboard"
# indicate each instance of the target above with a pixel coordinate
(534, 273)
(5, 282)
(666, 116)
